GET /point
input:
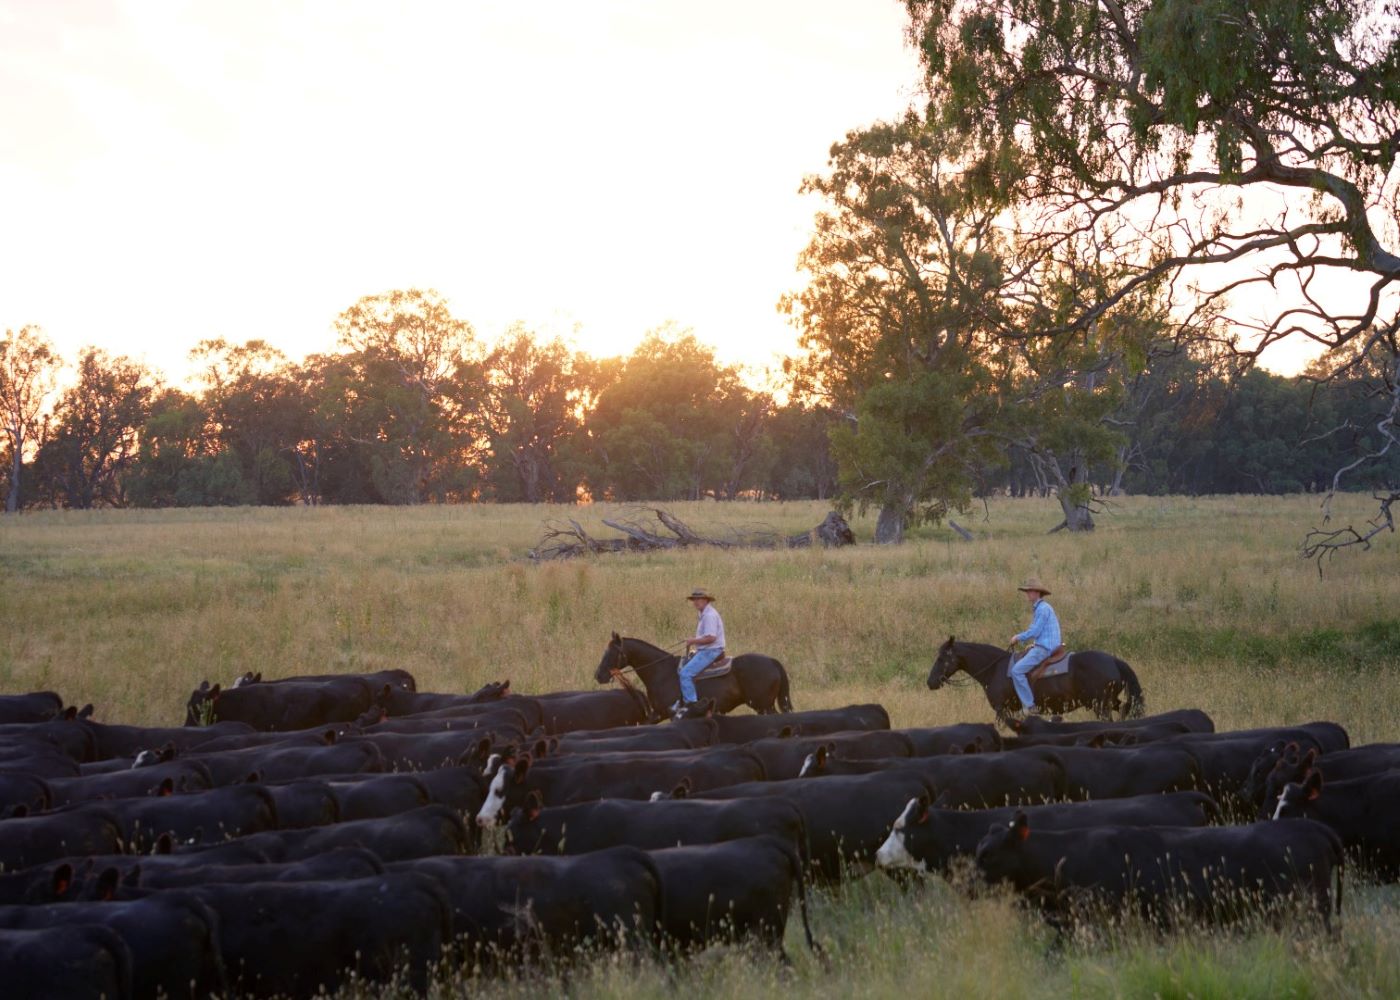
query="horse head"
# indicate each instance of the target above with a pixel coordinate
(945, 665)
(613, 661)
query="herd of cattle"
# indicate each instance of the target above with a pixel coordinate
(297, 832)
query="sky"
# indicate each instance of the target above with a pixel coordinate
(177, 171)
(173, 171)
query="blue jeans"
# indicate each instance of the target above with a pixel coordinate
(698, 661)
(1029, 660)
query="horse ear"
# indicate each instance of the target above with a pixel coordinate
(616, 639)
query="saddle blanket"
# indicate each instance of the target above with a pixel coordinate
(1058, 668)
(717, 669)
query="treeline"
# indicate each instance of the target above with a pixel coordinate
(413, 408)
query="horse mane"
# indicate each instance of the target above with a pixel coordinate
(646, 646)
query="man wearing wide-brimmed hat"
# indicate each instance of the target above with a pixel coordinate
(1043, 635)
(708, 643)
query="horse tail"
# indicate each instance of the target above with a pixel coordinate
(1136, 703)
(784, 692)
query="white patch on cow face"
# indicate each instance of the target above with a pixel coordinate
(144, 759)
(492, 762)
(894, 853)
(1282, 801)
(495, 799)
(808, 765)
(657, 796)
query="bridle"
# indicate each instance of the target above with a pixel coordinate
(619, 674)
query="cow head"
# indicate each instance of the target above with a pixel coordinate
(1264, 764)
(371, 716)
(202, 708)
(999, 852)
(816, 760)
(506, 790)
(895, 851)
(613, 662)
(1290, 768)
(1296, 796)
(545, 747)
(523, 833)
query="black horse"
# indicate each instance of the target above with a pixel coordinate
(1100, 681)
(755, 680)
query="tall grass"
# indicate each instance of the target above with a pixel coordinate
(1207, 598)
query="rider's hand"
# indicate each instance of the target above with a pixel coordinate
(1013, 641)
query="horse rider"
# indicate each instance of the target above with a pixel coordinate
(1044, 637)
(708, 643)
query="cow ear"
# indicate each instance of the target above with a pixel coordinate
(132, 877)
(1020, 826)
(534, 802)
(253, 778)
(215, 691)
(169, 752)
(950, 638)
(1312, 784)
(1310, 757)
(107, 883)
(681, 791)
(166, 787)
(62, 879)
(257, 677)
(686, 783)
(820, 756)
(541, 748)
(86, 712)
(1097, 740)
(203, 685)
(20, 811)
(165, 844)
(924, 803)
(785, 733)
(522, 767)
(70, 713)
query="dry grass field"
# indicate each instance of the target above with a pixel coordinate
(1207, 598)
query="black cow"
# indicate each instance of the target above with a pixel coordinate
(420, 705)
(1283, 762)
(374, 681)
(1135, 736)
(304, 804)
(784, 756)
(567, 711)
(26, 792)
(288, 763)
(974, 781)
(1226, 758)
(1194, 719)
(688, 734)
(1215, 872)
(423, 832)
(1364, 812)
(298, 938)
(731, 892)
(200, 818)
(963, 737)
(584, 778)
(847, 818)
(592, 826)
(339, 864)
(82, 962)
(178, 775)
(372, 796)
(71, 738)
(33, 840)
(37, 706)
(927, 839)
(172, 938)
(1119, 772)
(521, 907)
(127, 742)
(747, 728)
(280, 707)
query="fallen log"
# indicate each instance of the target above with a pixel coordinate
(568, 539)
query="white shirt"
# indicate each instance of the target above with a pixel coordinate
(710, 624)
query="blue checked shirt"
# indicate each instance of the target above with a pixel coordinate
(1045, 627)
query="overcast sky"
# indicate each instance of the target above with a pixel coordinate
(173, 171)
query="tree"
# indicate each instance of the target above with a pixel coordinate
(28, 368)
(529, 409)
(907, 327)
(95, 435)
(180, 463)
(405, 351)
(1203, 147)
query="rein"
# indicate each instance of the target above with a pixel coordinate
(619, 674)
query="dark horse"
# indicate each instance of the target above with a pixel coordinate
(1095, 680)
(755, 680)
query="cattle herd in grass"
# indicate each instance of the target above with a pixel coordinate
(297, 831)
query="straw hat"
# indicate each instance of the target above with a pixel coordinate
(1034, 584)
(700, 592)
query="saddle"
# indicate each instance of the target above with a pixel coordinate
(1054, 665)
(717, 669)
